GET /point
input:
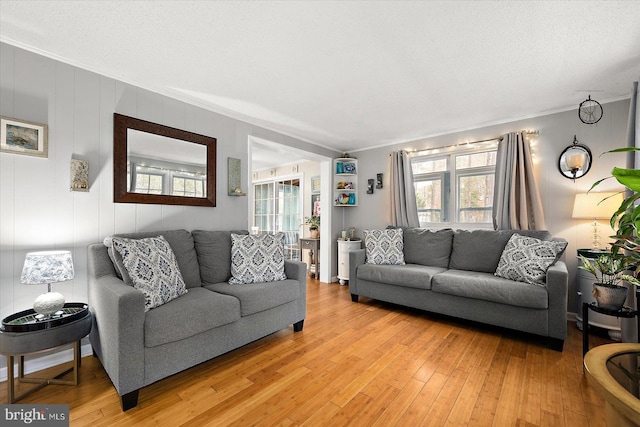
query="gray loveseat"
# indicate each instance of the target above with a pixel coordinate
(452, 273)
(138, 348)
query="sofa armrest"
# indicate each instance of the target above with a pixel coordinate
(117, 336)
(298, 271)
(557, 288)
(356, 259)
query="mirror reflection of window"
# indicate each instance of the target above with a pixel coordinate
(187, 187)
(148, 184)
(179, 167)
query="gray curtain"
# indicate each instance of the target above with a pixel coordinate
(404, 209)
(629, 326)
(516, 199)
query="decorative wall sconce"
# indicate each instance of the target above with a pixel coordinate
(370, 186)
(79, 175)
(379, 181)
(234, 171)
(590, 111)
(575, 160)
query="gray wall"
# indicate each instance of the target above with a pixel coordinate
(37, 210)
(557, 192)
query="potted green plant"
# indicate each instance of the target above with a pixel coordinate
(609, 271)
(625, 251)
(314, 224)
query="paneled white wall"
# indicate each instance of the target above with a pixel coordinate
(37, 210)
(556, 133)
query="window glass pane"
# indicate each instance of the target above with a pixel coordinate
(475, 198)
(429, 165)
(429, 200)
(475, 160)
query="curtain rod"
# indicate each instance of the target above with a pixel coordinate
(461, 144)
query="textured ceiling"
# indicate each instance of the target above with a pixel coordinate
(348, 75)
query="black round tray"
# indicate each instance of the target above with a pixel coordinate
(25, 321)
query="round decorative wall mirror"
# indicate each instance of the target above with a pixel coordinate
(575, 160)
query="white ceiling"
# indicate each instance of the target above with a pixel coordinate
(348, 75)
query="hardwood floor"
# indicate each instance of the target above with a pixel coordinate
(361, 364)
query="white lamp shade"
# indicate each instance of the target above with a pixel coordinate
(596, 205)
(47, 267)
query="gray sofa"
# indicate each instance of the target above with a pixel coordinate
(451, 272)
(212, 318)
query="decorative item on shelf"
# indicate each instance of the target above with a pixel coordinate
(234, 170)
(595, 206)
(343, 234)
(79, 175)
(575, 160)
(370, 186)
(23, 137)
(590, 111)
(379, 181)
(314, 226)
(352, 233)
(609, 271)
(349, 168)
(45, 268)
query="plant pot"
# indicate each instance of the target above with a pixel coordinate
(314, 233)
(610, 297)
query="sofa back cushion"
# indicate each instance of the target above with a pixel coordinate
(384, 247)
(183, 247)
(214, 254)
(152, 269)
(480, 250)
(427, 247)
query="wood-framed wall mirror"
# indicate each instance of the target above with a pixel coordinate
(158, 164)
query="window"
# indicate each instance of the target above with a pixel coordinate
(454, 188)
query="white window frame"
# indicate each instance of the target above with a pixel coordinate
(451, 193)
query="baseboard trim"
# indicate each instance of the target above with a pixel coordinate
(572, 317)
(44, 362)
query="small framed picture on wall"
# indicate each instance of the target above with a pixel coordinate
(315, 185)
(23, 137)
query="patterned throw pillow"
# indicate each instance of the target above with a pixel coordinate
(384, 246)
(152, 267)
(527, 259)
(257, 258)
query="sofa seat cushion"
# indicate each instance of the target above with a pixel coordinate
(257, 297)
(486, 286)
(197, 311)
(408, 275)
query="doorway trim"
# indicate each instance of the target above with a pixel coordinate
(326, 167)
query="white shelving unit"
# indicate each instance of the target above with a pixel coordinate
(345, 182)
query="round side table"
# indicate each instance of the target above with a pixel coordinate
(22, 334)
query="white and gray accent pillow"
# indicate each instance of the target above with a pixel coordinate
(527, 259)
(152, 267)
(384, 246)
(257, 258)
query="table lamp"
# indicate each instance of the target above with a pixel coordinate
(596, 206)
(47, 267)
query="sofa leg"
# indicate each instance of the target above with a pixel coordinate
(129, 400)
(354, 297)
(556, 344)
(297, 327)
